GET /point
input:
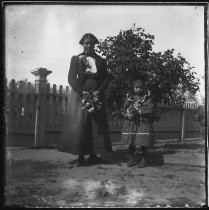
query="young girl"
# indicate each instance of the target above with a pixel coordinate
(137, 128)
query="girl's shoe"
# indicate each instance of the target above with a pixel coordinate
(131, 161)
(142, 163)
(80, 159)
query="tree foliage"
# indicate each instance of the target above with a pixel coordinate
(130, 54)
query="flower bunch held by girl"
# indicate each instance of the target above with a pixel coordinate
(138, 118)
(136, 107)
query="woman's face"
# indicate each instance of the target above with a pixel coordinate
(88, 45)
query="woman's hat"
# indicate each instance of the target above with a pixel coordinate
(88, 35)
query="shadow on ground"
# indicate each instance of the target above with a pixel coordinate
(121, 156)
(51, 180)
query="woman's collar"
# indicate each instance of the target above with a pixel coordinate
(93, 55)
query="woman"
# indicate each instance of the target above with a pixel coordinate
(85, 132)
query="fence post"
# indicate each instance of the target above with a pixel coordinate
(183, 124)
(40, 89)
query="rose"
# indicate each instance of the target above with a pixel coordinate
(90, 65)
(91, 110)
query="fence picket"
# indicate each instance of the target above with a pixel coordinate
(60, 115)
(54, 89)
(67, 92)
(60, 106)
(31, 110)
(30, 88)
(53, 114)
(19, 110)
(56, 120)
(66, 106)
(48, 88)
(25, 111)
(12, 86)
(61, 90)
(21, 87)
(53, 110)
(50, 111)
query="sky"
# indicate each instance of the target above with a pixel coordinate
(48, 35)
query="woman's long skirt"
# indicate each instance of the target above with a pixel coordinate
(84, 133)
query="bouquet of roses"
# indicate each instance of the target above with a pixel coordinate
(137, 108)
(91, 104)
(140, 110)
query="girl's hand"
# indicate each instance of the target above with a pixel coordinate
(129, 116)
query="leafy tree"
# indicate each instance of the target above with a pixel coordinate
(191, 98)
(130, 54)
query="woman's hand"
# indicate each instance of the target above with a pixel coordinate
(96, 93)
(86, 95)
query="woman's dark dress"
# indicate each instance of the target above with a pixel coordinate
(86, 133)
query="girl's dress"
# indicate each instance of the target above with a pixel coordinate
(138, 132)
(86, 133)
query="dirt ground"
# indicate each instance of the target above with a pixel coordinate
(48, 178)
